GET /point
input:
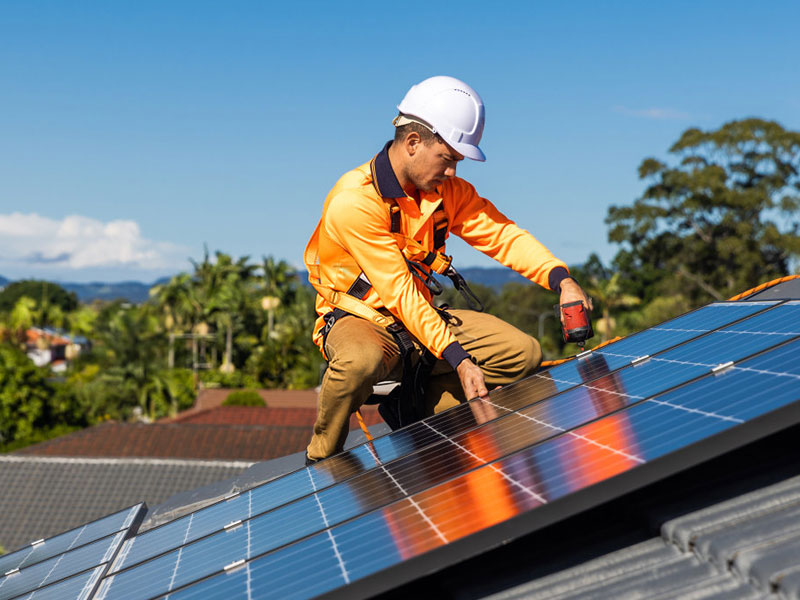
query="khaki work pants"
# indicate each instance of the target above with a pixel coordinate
(362, 353)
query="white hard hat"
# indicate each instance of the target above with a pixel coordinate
(453, 110)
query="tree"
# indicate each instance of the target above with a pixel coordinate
(175, 300)
(24, 395)
(22, 317)
(131, 359)
(45, 293)
(722, 220)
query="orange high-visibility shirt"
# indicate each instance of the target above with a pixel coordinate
(354, 235)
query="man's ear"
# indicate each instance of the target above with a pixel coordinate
(412, 143)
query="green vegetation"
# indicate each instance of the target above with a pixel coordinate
(244, 398)
(229, 323)
(720, 220)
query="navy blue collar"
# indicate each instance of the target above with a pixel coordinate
(384, 178)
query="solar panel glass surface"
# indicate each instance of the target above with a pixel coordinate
(416, 437)
(457, 454)
(516, 484)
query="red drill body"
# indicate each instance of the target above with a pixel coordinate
(576, 325)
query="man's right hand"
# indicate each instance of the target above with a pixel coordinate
(472, 381)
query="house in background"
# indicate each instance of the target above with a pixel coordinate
(47, 346)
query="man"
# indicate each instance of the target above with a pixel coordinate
(381, 227)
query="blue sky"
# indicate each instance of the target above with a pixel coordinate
(133, 133)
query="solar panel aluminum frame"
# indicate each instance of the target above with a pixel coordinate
(573, 504)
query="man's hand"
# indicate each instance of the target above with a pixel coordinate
(472, 381)
(572, 292)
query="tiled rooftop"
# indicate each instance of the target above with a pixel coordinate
(259, 415)
(177, 440)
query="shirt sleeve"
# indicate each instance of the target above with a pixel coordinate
(362, 227)
(478, 222)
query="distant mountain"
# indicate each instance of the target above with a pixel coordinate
(132, 291)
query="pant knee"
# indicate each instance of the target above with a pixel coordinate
(360, 366)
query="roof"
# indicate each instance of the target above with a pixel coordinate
(177, 440)
(43, 496)
(746, 547)
(265, 415)
(283, 407)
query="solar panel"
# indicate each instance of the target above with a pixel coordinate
(44, 549)
(19, 581)
(418, 436)
(78, 587)
(519, 493)
(433, 465)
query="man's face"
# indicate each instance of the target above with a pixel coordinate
(432, 164)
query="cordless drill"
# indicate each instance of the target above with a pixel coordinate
(576, 324)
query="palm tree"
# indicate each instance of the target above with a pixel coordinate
(278, 288)
(222, 293)
(175, 300)
(135, 343)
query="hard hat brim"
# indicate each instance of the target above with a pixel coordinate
(468, 150)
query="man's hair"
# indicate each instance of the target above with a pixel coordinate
(425, 134)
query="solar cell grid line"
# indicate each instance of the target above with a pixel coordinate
(17, 582)
(451, 421)
(651, 429)
(77, 587)
(43, 549)
(486, 446)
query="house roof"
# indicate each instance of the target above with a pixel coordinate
(43, 496)
(177, 440)
(264, 415)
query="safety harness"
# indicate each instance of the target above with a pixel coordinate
(422, 264)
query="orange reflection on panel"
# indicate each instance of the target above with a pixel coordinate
(601, 450)
(411, 533)
(470, 503)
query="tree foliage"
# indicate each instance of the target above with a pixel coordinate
(721, 220)
(46, 295)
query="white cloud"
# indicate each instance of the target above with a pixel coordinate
(76, 242)
(653, 113)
